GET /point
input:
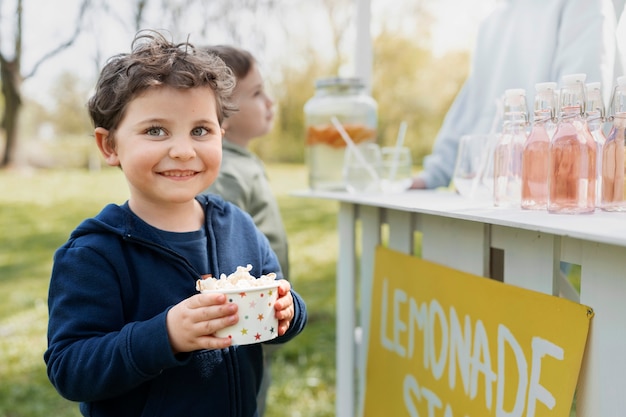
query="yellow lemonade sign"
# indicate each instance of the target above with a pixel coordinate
(444, 343)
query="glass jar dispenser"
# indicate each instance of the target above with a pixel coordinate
(347, 100)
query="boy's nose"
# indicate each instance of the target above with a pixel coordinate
(182, 148)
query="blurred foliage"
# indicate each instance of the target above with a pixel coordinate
(297, 84)
(409, 83)
(414, 86)
(70, 114)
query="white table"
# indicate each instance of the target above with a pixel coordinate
(520, 247)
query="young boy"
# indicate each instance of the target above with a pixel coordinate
(128, 333)
(242, 179)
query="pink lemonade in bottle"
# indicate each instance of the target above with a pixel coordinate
(572, 181)
(613, 196)
(535, 158)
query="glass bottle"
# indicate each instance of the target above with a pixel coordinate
(572, 180)
(507, 165)
(613, 187)
(347, 100)
(535, 157)
(595, 121)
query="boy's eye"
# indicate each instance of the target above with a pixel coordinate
(155, 131)
(199, 131)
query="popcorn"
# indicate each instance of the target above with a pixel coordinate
(255, 299)
(240, 279)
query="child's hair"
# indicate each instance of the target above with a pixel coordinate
(153, 62)
(239, 60)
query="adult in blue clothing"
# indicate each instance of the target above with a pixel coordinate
(128, 334)
(521, 43)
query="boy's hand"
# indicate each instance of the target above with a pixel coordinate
(284, 306)
(192, 322)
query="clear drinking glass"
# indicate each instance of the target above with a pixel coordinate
(473, 171)
(396, 169)
(361, 168)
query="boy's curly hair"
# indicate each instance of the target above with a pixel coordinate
(154, 61)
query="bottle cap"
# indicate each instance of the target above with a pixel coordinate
(514, 92)
(545, 86)
(574, 78)
(593, 86)
(617, 108)
(515, 96)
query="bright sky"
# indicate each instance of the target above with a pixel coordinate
(454, 29)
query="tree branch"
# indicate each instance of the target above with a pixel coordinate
(83, 9)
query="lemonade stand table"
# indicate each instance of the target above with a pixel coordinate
(521, 248)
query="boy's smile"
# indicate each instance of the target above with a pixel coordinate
(168, 144)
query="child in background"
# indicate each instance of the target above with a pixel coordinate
(242, 179)
(128, 334)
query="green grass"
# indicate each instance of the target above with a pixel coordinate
(38, 210)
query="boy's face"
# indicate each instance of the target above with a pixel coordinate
(168, 144)
(255, 116)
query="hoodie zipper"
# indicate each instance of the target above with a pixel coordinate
(230, 358)
(165, 250)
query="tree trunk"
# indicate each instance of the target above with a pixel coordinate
(11, 81)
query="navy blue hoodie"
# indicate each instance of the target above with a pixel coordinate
(112, 285)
